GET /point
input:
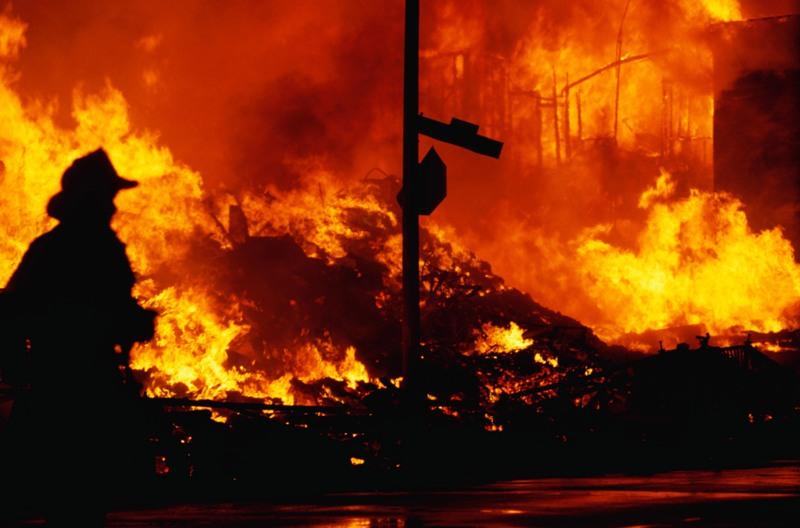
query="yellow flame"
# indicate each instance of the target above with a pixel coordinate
(189, 355)
(542, 360)
(158, 221)
(723, 10)
(493, 339)
(663, 188)
(12, 36)
(697, 262)
(190, 348)
(317, 213)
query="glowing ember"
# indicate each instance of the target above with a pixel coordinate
(542, 360)
(493, 339)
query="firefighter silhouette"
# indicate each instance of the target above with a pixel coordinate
(75, 319)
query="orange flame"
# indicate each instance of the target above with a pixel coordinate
(696, 262)
(722, 10)
(493, 339)
(159, 221)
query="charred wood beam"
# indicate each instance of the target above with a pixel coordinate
(555, 119)
(624, 60)
(12, 392)
(249, 406)
(567, 139)
(745, 355)
(619, 68)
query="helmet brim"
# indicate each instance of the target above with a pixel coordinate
(123, 183)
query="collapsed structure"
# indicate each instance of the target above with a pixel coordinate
(756, 127)
(275, 296)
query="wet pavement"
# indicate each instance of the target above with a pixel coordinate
(766, 496)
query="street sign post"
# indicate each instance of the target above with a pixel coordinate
(425, 183)
(431, 183)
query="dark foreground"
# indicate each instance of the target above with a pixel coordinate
(765, 496)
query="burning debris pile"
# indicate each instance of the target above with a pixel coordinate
(275, 294)
(596, 100)
(317, 284)
(264, 294)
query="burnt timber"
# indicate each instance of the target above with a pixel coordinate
(705, 407)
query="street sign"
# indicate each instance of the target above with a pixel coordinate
(431, 183)
(425, 183)
(460, 133)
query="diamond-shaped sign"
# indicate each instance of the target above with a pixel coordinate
(431, 183)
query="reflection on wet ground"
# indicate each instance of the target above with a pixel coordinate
(767, 496)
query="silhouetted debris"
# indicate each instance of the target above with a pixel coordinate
(564, 402)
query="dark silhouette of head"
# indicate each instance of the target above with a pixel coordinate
(88, 188)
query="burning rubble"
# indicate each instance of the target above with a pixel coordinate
(283, 301)
(266, 291)
(621, 207)
(304, 289)
(329, 294)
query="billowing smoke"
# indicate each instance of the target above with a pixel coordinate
(242, 91)
(257, 94)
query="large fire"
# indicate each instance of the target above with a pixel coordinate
(600, 102)
(696, 262)
(158, 222)
(617, 250)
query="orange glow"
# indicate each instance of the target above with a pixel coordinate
(563, 234)
(158, 221)
(696, 262)
(542, 360)
(723, 10)
(12, 36)
(663, 188)
(494, 339)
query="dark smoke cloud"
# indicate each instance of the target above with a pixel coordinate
(237, 89)
(249, 91)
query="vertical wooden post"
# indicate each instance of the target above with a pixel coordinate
(689, 144)
(670, 118)
(619, 69)
(537, 123)
(505, 120)
(555, 119)
(580, 122)
(663, 143)
(411, 312)
(567, 139)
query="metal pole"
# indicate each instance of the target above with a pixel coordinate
(555, 119)
(619, 69)
(411, 313)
